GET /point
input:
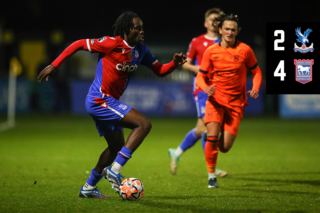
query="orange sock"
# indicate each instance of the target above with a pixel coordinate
(211, 153)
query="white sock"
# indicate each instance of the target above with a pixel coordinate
(88, 187)
(116, 168)
(211, 175)
(178, 152)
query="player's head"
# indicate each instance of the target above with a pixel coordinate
(229, 27)
(211, 18)
(129, 27)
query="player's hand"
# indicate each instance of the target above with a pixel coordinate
(179, 59)
(210, 90)
(253, 94)
(46, 73)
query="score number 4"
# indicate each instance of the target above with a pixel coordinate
(279, 72)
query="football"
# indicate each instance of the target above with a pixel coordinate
(131, 189)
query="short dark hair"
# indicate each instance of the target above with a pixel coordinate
(124, 23)
(230, 17)
(215, 10)
(223, 18)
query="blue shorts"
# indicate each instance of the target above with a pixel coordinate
(200, 99)
(106, 112)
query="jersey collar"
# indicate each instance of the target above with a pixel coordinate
(209, 38)
(234, 45)
(127, 44)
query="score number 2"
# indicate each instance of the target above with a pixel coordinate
(279, 72)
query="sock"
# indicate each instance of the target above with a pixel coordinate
(93, 179)
(204, 140)
(123, 156)
(211, 175)
(190, 139)
(211, 153)
(178, 152)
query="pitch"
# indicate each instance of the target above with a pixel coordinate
(273, 167)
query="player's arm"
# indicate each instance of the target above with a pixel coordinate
(202, 76)
(103, 45)
(51, 69)
(257, 74)
(191, 67)
(162, 70)
(191, 54)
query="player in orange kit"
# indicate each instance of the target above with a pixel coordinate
(222, 77)
(196, 49)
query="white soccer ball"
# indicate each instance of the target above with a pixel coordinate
(131, 189)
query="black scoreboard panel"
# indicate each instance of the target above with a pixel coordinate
(293, 67)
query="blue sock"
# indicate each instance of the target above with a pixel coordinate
(190, 139)
(94, 178)
(123, 156)
(204, 140)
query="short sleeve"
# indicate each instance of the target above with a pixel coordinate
(191, 53)
(100, 45)
(251, 61)
(206, 63)
(148, 59)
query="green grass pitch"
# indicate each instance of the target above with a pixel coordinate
(273, 167)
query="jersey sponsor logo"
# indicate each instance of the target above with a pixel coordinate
(102, 39)
(303, 70)
(216, 57)
(92, 41)
(205, 43)
(303, 39)
(126, 68)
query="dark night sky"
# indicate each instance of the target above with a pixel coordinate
(178, 21)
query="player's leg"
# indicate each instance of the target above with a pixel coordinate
(140, 126)
(211, 152)
(218, 172)
(193, 135)
(190, 139)
(213, 118)
(230, 127)
(115, 141)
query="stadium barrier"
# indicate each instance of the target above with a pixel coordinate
(154, 98)
(299, 106)
(150, 97)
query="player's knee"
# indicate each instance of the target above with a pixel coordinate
(224, 149)
(146, 126)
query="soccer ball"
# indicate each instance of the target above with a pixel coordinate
(131, 189)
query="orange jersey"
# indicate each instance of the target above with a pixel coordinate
(227, 68)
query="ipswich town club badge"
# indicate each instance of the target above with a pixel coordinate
(303, 70)
(303, 39)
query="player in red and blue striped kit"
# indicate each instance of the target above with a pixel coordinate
(119, 57)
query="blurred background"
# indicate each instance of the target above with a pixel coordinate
(34, 32)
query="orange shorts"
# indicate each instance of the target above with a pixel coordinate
(231, 117)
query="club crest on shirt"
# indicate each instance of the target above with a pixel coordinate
(102, 39)
(205, 43)
(303, 39)
(130, 56)
(122, 106)
(136, 54)
(303, 70)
